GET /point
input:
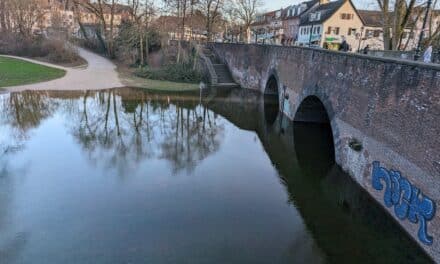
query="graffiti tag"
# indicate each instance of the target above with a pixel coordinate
(409, 203)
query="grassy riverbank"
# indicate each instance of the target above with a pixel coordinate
(19, 72)
(129, 79)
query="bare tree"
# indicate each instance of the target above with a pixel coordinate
(23, 15)
(104, 10)
(246, 11)
(433, 30)
(141, 12)
(3, 14)
(211, 12)
(56, 19)
(182, 9)
(396, 15)
(137, 15)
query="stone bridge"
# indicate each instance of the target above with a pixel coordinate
(384, 115)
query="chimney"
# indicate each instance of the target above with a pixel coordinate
(321, 2)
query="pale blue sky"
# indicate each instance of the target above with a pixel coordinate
(270, 5)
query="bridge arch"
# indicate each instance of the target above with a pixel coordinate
(272, 85)
(315, 115)
(312, 109)
(271, 98)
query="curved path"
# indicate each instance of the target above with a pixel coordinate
(100, 73)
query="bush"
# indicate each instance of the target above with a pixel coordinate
(179, 72)
(60, 52)
(55, 50)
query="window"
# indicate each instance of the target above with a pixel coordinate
(346, 16)
(351, 32)
(376, 33)
(333, 30)
(315, 16)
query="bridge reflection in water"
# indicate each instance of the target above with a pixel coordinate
(120, 130)
(347, 224)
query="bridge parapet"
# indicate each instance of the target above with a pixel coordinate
(390, 106)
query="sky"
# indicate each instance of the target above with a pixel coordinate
(270, 5)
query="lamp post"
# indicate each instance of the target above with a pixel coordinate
(360, 39)
(422, 34)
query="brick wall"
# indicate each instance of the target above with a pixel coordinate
(391, 106)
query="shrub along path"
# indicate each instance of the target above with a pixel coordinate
(20, 72)
(100, 73)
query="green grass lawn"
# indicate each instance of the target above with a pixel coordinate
(168, 86)
(130, 80)
(18, 72)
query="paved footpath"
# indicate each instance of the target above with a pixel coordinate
(100, 73)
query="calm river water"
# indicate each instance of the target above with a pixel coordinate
(130, 176)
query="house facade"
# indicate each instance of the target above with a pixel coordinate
(194, 28)
(372, 34)
(329, 23)
(268, 28)
(62, 15)
(291, 20)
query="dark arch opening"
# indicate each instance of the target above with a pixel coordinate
(311, 110)
(313, 137)
(271, 100)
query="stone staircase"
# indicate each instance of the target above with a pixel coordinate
(222, 77)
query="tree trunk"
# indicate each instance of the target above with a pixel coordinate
(248, 34)
(146, 48)
(141, 48)
(110, 40)
(384, 6)
(83, 30)
(2, 16)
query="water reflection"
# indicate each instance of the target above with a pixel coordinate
(119, 128)
(12, 239)
(215, 182)
(347, 224)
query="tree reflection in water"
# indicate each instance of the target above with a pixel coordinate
(119, 128)
(17, 118)
(122, 127)
(20, 112)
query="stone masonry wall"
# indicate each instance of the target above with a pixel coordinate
(392, 107)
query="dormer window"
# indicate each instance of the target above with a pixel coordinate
(315, 16)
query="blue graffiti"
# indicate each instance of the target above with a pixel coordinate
(409, 203)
